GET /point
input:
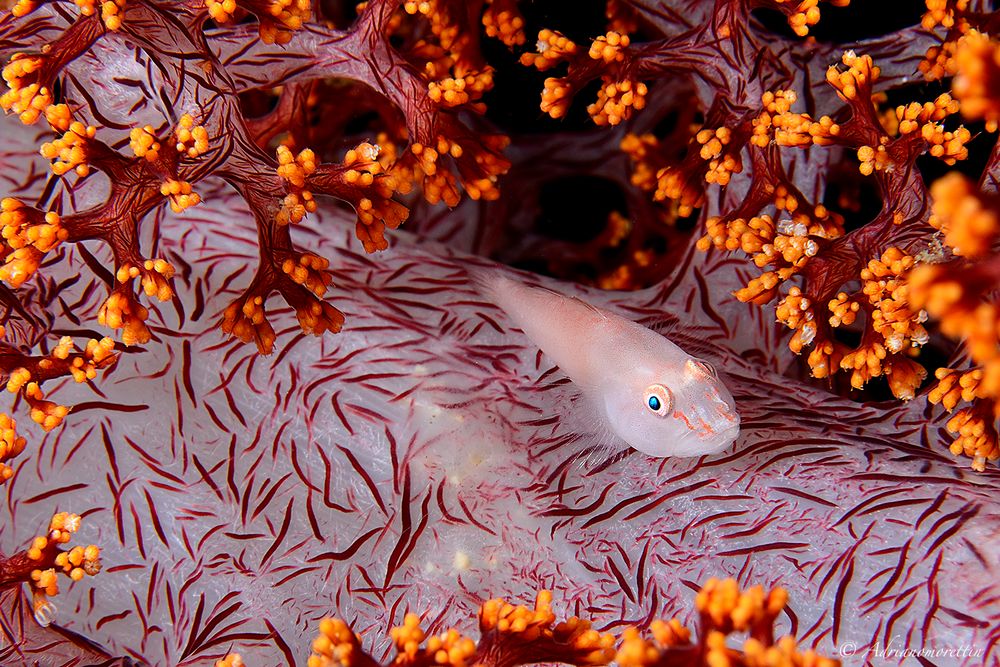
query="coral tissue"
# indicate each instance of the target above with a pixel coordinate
(251, 382)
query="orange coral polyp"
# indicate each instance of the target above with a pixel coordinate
(191, 139)
(616, 101)
(26, 96)
(278, 19)
(552, 47)
(858, 78)
(609, 47)
(112, 11)
(143, 142)
(179, 194)
(977, 73)
(70, 150)
(503, 21)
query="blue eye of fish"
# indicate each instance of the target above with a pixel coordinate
(659, 400)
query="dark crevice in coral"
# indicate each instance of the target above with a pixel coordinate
(852, 195)
(855, 22)
(257, 103)
(576, 208)
(513, 103)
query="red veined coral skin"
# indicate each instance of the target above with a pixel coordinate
(254, 495)
(346, 494)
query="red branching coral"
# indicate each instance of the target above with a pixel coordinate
(513, 635)
(169, 166)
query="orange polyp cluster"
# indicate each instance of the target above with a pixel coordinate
(154, 277)
(76, 563)
(551, 48)
(515, 635)
(58, 117)
(873, 159)
(843, 309)
(221, 11)
(489, 163)
(533, 634)
(95, 355)
(904, 376)
(939, 61)
(30, 234)
(795, 312)
(721, 166)
(374, 205)
(557, 95)
(456, 91)
(865, 362)
(112, 11)
(786, 128)
(449, 648)
(967, 217)
(25, 97)
(122, 311)
(898, 326)
(787, 245)
(914, 116)
(977, 435)
(231, 660)
(246, 320)
(676, 185)
(191, 139)
(948, 146)
(23, 7)
(942, 13)
(955, 386)
(503, 21)
(279, 19)
(892, 316)
(729, 609)
(294, 169)
(336, 645)
(143, 142)
(180, 195)
(18, 379)
(959, 296)
(408, 636)
(317, 317)
(805, 13)
(70, 150)
(977, 78)
(282, 19)
(616, 101)
(858, 78)
(784, 653)
(309, 271)
(642, 150)
(80, 561)
(609, 47)
(11, 444)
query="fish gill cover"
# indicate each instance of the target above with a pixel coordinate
(203, 479)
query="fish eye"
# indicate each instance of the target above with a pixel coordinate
(659, 400)
(703, 367)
